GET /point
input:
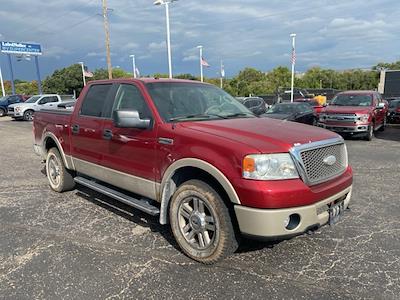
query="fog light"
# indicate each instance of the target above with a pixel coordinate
(292, 221)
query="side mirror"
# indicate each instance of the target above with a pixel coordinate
(129, 119)
(380, 105)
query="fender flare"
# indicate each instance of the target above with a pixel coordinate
(66, 158)
(168, 186)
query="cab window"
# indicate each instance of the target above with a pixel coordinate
(129, 97)
(95, 100)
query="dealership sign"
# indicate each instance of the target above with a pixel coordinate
(20, 48)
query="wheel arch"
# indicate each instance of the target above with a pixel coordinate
(50, 141)
(192, 168)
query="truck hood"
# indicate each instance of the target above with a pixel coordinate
(333, 109)
(21, 104)
(265, 135)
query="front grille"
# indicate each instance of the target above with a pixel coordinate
(342, 117)
(343, 114)
(11, 109)
(316, 170)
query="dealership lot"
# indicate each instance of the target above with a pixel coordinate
(84, 245)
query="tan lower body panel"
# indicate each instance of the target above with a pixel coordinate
(270, 222)
(134, 184)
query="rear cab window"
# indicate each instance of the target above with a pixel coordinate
(95, 100)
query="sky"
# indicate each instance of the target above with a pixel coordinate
(337, 34)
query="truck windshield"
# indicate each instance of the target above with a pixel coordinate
(181, 101)
(352, 100)
(32, 99)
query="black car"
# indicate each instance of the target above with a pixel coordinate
(394, 111)
(255, 104)
(296, 112)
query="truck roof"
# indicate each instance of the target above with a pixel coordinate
(144, 80)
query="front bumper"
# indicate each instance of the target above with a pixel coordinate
(362, 128)
(14, 114)
(270, 223)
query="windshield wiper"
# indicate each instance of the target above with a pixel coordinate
(196, 116)
(240, 114)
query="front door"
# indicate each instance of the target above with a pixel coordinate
(129, 157)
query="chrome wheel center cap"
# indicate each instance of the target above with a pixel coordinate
(197, 221)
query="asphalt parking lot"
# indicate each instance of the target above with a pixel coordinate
(83, 245)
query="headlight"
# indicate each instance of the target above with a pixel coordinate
(269, 167)
(363, 118)
(17, 109)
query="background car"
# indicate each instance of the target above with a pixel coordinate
(296, 111)
(8, 100)
(394, 111)
(255, 104)
(313, 103)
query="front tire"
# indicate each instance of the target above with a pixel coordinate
(382, 128)
(60, 179)
(201, 222)
(370, 134)
(2, 112)
(28, 115)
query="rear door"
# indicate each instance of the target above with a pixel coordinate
(87, 143)
(129, 157)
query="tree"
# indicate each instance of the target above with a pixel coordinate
(64, 81)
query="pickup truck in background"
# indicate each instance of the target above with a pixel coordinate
(355, 112)
(26, 110)
(191, 154)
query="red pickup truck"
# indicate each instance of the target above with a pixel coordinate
(355, 112)
(199, 159)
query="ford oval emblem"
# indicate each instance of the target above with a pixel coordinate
(329, 160)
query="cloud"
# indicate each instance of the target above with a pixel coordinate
(335, 34)
(156, 47)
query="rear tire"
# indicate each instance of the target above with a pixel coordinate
(2, 112)
(201, 223)
(28, 115)
(60, 179)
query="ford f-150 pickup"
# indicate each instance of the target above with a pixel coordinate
(356, 113)
(194, 156)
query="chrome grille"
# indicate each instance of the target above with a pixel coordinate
(342, 117)
(316, 170)
(11, 109)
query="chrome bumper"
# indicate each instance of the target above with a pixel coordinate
(349, 129)
(270, 223)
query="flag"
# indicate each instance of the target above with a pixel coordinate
(204, 62)
(293, 58)
(86, 72)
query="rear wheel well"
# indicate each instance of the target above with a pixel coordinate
(50, 143)
(187, 173)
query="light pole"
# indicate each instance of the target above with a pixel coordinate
(83, 73)
(293, 36)
(201, 61)
(166, 3)
(133, 65)
(2, 83)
